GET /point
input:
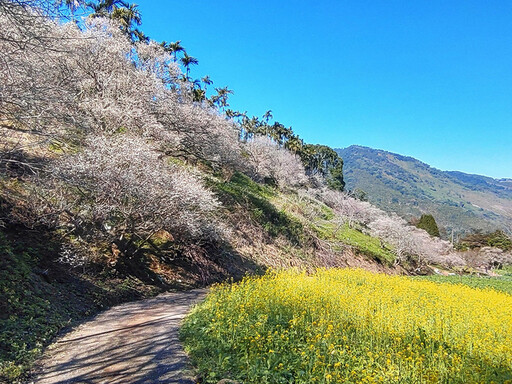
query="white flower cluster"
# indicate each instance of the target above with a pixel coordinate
(405, 239)
(274, 162)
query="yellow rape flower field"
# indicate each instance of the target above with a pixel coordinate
(350, 326)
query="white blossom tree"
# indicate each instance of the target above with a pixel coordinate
(276, 163)
(120, 189)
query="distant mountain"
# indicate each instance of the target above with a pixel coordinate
(459, 201)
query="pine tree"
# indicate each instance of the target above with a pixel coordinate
(428, 223)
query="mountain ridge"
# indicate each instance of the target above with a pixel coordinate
(461, 202)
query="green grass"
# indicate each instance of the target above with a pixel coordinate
(241, 191)
(505, 271)
(502, 284)
(366, 244)
(293, 216)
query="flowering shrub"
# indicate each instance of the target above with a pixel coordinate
(276, 163)
(65, 81)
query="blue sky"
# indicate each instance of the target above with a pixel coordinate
(428, 79)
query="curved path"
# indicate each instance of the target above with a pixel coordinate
(131, 343)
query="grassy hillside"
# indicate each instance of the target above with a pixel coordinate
(409, 187)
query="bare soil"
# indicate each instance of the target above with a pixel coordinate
(131, 343)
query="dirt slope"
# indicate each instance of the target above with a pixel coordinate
(131, 343)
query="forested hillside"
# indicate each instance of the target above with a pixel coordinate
(122, 176)
(459, 201)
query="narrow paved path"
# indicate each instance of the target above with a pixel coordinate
(131, 343)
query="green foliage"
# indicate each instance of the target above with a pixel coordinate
(335, 176)
(320, 159)
(428, 223)
(126, 15)
(496, 239)
(360, 194)
(471, 241)
(505, 271)
(367, 245)
(240, 190)
(500, 240)
(27, 318)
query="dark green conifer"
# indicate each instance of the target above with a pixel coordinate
(428, 223)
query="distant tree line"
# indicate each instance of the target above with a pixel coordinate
(498, 239)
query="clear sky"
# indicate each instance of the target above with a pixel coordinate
(428, 79)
